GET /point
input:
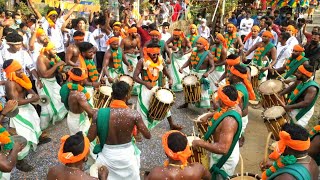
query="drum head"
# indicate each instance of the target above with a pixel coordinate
(191, 138)
(254, 71)
(20, 139)
(274, 112)
(165, 96)
(13, 113)
(190, 79)
(271, 86)
(202, 115)
(127, 79)
(106, 90)
(94, 169)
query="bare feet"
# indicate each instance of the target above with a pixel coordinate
(185, 105)
(22, 165)
(43, 140)
(175, 127)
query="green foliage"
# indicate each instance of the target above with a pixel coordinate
(2, 5)
(24, 8)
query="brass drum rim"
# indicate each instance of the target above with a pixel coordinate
(271, 93)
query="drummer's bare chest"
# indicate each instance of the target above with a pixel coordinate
(130, 44)
(20, 91)
(204, 65)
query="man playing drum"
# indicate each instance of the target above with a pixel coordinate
(239, 78)
(202, 64)
(180, 54)
(131, 49)
(264, 51)
(291, 159)
(151, 68)
(219, 52)
(114, 128)
(225, 129)
(27, 122)
(47, 66)
(304, 94)
(73, 52)
(175, 145)
(113, 61)
(193, 36)
(234, 42)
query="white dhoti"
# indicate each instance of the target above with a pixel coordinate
(245, 120)
(55, 111)
(177, 61)
(113, 73)
(215, 76)
(78, 122)
(143, 103)
(265, 73)
(303, 121)
(205, 97)
(121, 161)
(27, 124)
(90, 90)
(133, 60)
(5, 175)
(230, 165)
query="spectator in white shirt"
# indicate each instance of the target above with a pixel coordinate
(283, 52)
(246, 24)
(37, 41)
(292, 41)
(165, 35)
(203, 29)
(250, 40)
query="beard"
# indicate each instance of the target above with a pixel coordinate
(294, 56)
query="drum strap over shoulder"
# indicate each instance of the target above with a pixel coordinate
(202, 58)
(216, 168)
(64, 94)
(296, 170)
(245, 98)
(294, 66)
(103, 119)
(161, 44)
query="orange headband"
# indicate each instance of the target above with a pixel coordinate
(292, 28)
(248, 84)
(222, 39)
(232, 26)
(285, 140)
(204, 42)
(14, 66)
(49, 46)
(111, 40)
(179, 33)
(193, 26)
(181, 155)
(225, 99)
(68, 157)
(75, 77)
(155, 33)
(233, 62)
(298, 48)
(268, 34)
(78, 37)
(255, 27)
(304, 71)
(39, 32)
(154, 50)
(132, 30)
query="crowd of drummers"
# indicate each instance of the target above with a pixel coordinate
(84, 70)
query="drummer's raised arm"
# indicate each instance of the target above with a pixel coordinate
(289, 89)
(105, 63)
(273, 52)
(169, 41)
(254, 47)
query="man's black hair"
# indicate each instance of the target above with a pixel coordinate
(78, 33)
(296, 132)
(177, 142)
(76, 71)
(231, 92)
(241, 68)
(85, 46)
(74, 144)
(232, 56)
(7, 63)
(14, 37)
(81, 19)
(120, 90)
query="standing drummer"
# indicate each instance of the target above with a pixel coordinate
(202, 64)
(175, 145)
(225, 130)
(112, 61)
(73, 52)
(303, 95)
(151, 67)
(239, 78)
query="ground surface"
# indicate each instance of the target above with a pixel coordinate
(152, 153)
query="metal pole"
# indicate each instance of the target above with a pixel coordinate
(222, 13)
(215, 11)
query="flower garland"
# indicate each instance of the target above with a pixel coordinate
(78, 88)
(92, 70)
(216, 52)
(257, 54)
(296, 91)
(315, 130)
(56, 60)
(291, 59)
(24, 81)
(194, 58)
(219, 113)
(192, 38)
(230, 38)
(153, 69)
(280, 163)
(5, 139)
(177, 43)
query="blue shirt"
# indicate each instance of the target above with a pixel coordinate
(233, 21)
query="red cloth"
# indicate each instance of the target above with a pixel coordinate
(177, 8)
(308, 36)
(144, 34)
(276, 29)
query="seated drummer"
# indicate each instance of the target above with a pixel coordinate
(175, 145)
(291, 159)
(73, 154)
(151, 68)
(225, 127)
(76, 99)
(297, 58)
(239, 78)
(303, 95)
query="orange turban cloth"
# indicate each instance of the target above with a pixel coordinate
(204, 42)
(234, 28)
(292, 29)
(154, 50)
(193, 26)
(233, 62)
(111, 40)
(285, 140)
(39, 32)
(225, 99)
(304, 71)
(267, 34)
(11, 75)
(178, 156)
(49, 46)
(132, 30)
(298, 48)
(255, 27)
(75, 77)
(178, 33)
(12, 68)
(246, 81)
(68, 157)
(155, 33)
(222, 39)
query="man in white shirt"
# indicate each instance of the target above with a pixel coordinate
(292, 41)
(246, 24)
(165, 35)
(52, 26)
(203, 29)
(250, 40)
(37, 41)
(283, 51)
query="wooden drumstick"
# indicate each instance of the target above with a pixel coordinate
(194, 133)
(101, 74)
(278, 98)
